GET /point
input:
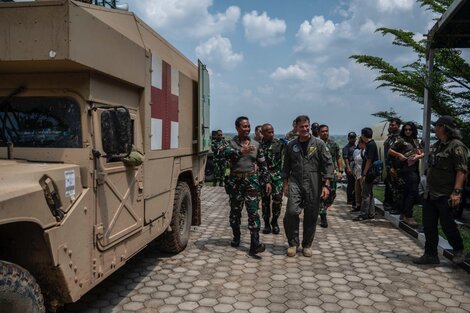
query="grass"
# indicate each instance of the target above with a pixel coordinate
(417, 214)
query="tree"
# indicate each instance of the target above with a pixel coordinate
(449, 82)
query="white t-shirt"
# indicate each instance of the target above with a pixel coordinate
(357, 156)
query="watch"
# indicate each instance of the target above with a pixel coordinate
(457, 191)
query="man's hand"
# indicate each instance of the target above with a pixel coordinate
(269, 188)
(455, 199)
(340, 176)
(363, 178)
(325, 193)
(247, 148)
(285, 189)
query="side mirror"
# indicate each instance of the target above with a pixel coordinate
(116, 130)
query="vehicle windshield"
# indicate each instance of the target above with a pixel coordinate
(40, 122)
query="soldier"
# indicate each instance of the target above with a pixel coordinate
(307, 171)
(315, 129)
(392, 183)
(338, 170)
(258, 133)
(291, 134)
(348, 151)
(246, 159)
(273, 149)
(219, 162)
(447, 168)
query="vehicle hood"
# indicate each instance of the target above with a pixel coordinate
(20, 180)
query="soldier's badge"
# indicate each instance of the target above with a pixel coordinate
(296, 148)
(311, 151)
(459, 151)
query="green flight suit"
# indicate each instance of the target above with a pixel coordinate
(305, 171)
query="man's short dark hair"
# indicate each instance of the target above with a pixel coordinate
(395, 120)
(239, 120)
(258, 127)
(302, 118)
(323, 126)
(266, 125)
(367, 132)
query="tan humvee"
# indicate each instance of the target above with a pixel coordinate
(104, 131)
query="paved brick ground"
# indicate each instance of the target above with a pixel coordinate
(356, 267)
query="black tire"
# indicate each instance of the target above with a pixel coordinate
(19, 292)
(175, 239)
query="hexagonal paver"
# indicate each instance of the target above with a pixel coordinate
(356, 267)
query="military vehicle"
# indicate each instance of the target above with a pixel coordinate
(104, 133)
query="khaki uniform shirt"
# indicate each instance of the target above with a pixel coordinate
(445, 159)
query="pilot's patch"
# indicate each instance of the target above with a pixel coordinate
(311, 151)
(296, 148)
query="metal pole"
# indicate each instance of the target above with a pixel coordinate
(427, 108)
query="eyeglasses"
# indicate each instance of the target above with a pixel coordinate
(407, 129)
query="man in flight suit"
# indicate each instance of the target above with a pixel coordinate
(246, 160)
(307, 171)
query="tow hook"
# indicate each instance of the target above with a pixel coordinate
(52, 197)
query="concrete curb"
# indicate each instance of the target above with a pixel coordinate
(443, 244)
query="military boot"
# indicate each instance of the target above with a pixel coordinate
(255, 246)
(323, 220)
(236, 237)
(267, 228)
(275, 226)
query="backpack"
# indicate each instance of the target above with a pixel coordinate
(378, 168)
(375, 172)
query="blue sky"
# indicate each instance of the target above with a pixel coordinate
(272, 60)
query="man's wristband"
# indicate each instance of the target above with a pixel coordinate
(457, 191)
(327, 187)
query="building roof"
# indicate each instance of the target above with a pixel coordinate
(452, 30)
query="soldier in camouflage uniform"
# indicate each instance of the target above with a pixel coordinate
(248, 170)
(338, 170)
(393, 184)
(273, 150)
(219, 161)
(291, 135)
(307, 170)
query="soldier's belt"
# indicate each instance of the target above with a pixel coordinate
(242, 175)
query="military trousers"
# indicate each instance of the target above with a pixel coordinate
(304, 198)
(272, 201)
(438, 210)
(219, 169)
(244, 191)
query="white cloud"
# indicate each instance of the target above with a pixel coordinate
(263, 29)
(187, 17)
(291, 72)
(368, 27)
(218, 50)
(336, 77)
(395, 5)
(314, 36)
